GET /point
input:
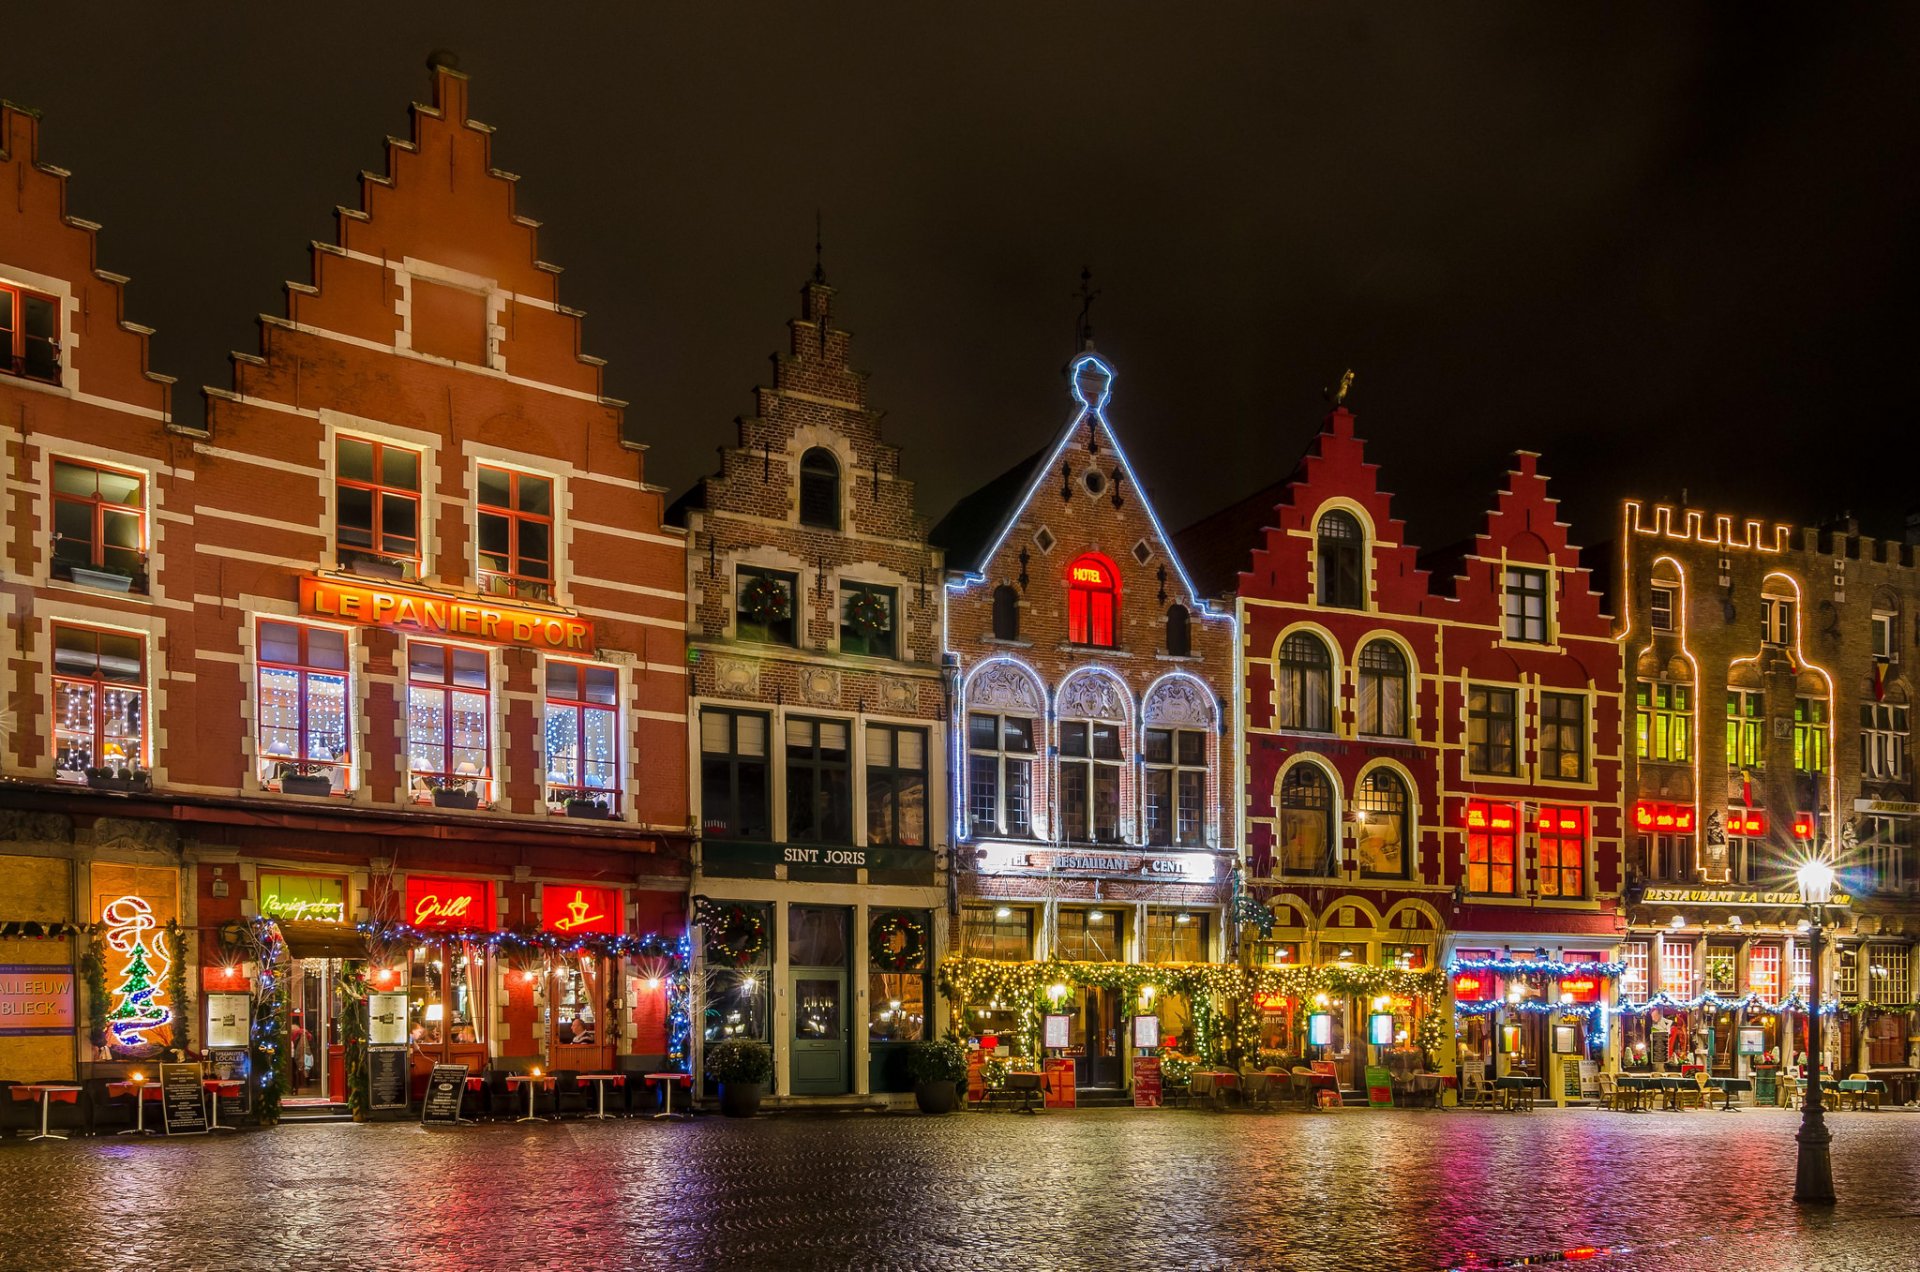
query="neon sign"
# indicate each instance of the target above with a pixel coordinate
(1749, 823)
(443, 615)
(574, 910)
(1582, 989)
(300, 899)
(1651, 815)
(1803, 826)
(139, 1002)
(447, 903)
(1088, 574)
(1468, 988)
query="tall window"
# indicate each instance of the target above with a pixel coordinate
(1000, 774)
(1493, 838)
(1801, 968)
(1885, 636)
(1563, 736)
(1179, 631)
(99, 701)
(515, 513)
(735, 796)
(819, 782)
(1883, 740)
(302, 713)
(1006, 612)
(1888, 843)
(1776, 620)
(1721, 969)
(1306, 684)
(449, 720)
(29, 334)
(1810, 734)
(1382, 841)
(1383, 690)
(582, 734)
(763, 606)
(1340, 559)
(1633, 977)
(867, 620)
(1562, 870)
(1746, 728)
(377, 507)
(1307, 844)
(1093, 602)
(1889, 978)
(1846, 975)
(1526, 604)
(896, 786)
(1763, 972)
(1090, 765)
(1090, 936)
(1175, 936)
(820, 489)
(1660, 609)
(1176, 786)
(1676, 969)
(999, 932)
(1491, 729)
(1663, 721)
(99, 523)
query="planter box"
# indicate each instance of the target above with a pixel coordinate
(587, 809)
(295, 784)
(105, 580)
(119, 783)
(468, 800)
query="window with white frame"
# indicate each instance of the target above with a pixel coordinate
(1091, 764)
(1176, 768)
(1000, 774)
(1846, 974)
(581, 737)
(1883, 741)
(1763, 972)
(896, 786)
(1800, 968)
(1633, 975)
(1886, 640)
(1676, 968)
(302, 714)
(449, 724)
(99, 525)
(1660, 609)
(1776, 620)
(1888, 975)
(99, 702)
(1526, 604)
(1888, 842)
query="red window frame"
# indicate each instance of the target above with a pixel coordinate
(1093, 601)
(446, 775)
(379, 492)
(98, 509)
(525, 575)
(14, 337)
(580, 704)
(96, 686)
(1493, 841)
(1562, 833)
(303, 667)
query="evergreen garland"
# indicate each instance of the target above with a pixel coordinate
(352, 988)
(93, 967)
(177, 987)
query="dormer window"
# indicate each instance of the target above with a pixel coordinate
(1340, 552)
(29, 334)
(820, 489)
(1093, 602)
(377, 508)
(1526, 605)
(1776, 620)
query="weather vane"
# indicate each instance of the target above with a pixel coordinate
(1346, 386)
(1087, 296)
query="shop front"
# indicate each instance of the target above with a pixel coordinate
(1537, 1015)
(313, 912)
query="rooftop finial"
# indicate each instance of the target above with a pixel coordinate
(440, 58)
(819, 270)
(1083, 332)
(1339, 396)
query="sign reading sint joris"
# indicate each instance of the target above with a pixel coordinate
(437, 615)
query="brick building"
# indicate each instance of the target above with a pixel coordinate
(1094, 809)
(1771, 682)
(813, 613)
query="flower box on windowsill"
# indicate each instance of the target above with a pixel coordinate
(469, 800)
(307, 784)
(588, 809)
(104, 580)
(120, 781)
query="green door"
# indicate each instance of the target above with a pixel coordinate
(820, 1031)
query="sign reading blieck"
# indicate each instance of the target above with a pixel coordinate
(35, 1000)
(437, 615)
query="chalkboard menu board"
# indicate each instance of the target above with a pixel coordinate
(183, 1110)
(387, 1075)
(445, 1089)
(234, 1063)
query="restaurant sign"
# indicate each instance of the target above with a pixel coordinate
(1886, 807)
(448, 903)
(1472, 987)
(433, 614)
(576, 911)
(804, 859)
(35, 999)
(1195, 867)
(1729, 896)
(303, 898)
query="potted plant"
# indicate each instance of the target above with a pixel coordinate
(306, 779)
(939, 1072)
(119, 779)
(742, 1067)
(461, 795)
(589, 808)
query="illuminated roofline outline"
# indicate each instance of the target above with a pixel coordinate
(1693, 528)
(1203, 605)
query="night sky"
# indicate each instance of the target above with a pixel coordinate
(1667, 246)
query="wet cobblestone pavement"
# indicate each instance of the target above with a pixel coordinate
(1379, 1191)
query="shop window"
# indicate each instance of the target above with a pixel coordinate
(581, 733)
(1846, 975)
(1763, 972)
(1720, 968)
(444, 995)
(1633, 976)
(896, 786)
(738, 998)
(735, 801)
(1776, 620)
(1090, 768)
(1306, 684)
(1176, 936)
(1276, 953)
(1663, 721)
(1492, 848)
(1380, 809)
(1563, 736)
(1526, 605)
(1340, 560)
(1676, 969)
(377, 507)
(1883, 741)
(515, 517)
(1383, 690)
(99, 525)
(1800, 966)
(1562, 837)
(1089, 936)
(897, 993)
(999, 774)
(1093, 602)
(449, 721)
(302, 713)
(820, 489)
(1179, 632)
(99, 701)
(1412, 958)
(1176, 786)
(1306, 822)
(1746, 728)
(763, 606)
(867, 624)
(1660, 608)
(819, 782)
(1889, 980)
(1006, 612)
(998, 932)
(29, 334)
(1887, 844)
(1491, 730)
(1810, 735)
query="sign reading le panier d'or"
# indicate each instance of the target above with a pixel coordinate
(438, 615)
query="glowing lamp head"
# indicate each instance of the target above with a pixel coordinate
(1003, 912)
(1815, 878)
(139, 1077)
(653, 984)
(750, 984)
(536, 1070)
(1056, 992)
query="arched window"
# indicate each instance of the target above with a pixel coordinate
(820, 489)
(1006, 613)
(1179, 638)
(1093, 602)
(1306, 822)
(1306, 684)
(1383, 690)
(1341, 556)
(1381, 806)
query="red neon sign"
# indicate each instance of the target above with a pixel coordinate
(1651, 815)
(1582, 989)
(449, 903)
(1750, 823)
(575, 911)
(1469, 988)
(1803, 826)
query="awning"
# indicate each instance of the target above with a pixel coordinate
(323, 940)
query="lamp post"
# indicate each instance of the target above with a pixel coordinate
(1813, 1169)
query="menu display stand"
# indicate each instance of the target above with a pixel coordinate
(446, 1088)
(387, 1077)
(183, 1101)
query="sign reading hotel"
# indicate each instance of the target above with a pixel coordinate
(576, 911)
(433, 614)
(447, 903)
(35, 1000)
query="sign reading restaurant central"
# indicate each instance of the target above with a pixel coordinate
(438, 615)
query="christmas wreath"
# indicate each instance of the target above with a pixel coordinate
(735, 933)
(911, 935)
(867, 614)
(765, 601)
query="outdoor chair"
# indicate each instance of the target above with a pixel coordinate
(1787, 1092)
(571, 1097)
(1695, 1096)
(106, 1112)
(1476, 1092)
(1869, 1098)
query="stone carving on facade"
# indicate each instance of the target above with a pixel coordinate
(739, 677)
(1180, 702)
(897, 695)
(820, 686)
(1006, 687)
(1090, 694)
(126, 834)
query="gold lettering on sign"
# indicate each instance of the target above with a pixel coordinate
(443, 615)
(576, 913)
(432, 907)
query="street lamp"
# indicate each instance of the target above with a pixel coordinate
(1813, 1171)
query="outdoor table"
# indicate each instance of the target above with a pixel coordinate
(600, 1081)
(217, 1087)
(1857, 1087)
(139, 1087)
(44, 1092)
(1257, 1087)
(1028, 1084)
(1644, 1087)
(1213, 1084)
(1421, 1086)
(671, 1080)
(1309, 1083)
(531, 1083)
(1520, 1088)
(1727, 1087)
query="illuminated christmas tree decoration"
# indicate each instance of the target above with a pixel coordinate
(139, 999)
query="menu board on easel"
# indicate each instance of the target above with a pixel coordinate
(1570, 1076)
(183, 1106)
(445, 1089)
(1146, 1082)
